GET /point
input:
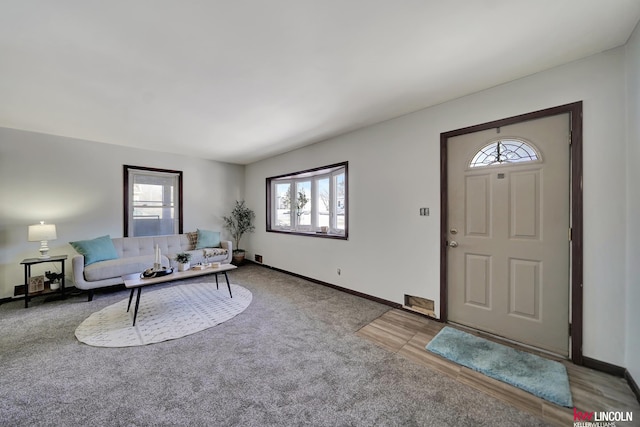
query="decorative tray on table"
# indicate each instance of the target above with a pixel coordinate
(150, 272)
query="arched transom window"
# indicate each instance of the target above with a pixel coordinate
(504, 151)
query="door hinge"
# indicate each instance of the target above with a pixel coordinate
(569, 329)
(570, 234)
(570, 137)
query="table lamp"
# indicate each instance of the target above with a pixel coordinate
(42, 233)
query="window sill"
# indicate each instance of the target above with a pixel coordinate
(312, 234)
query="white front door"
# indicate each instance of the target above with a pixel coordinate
(508, 231)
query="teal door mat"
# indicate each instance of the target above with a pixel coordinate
(541, 377)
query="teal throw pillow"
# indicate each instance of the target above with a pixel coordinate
(208, 239)
(94, 250)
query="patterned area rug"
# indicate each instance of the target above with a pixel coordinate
(164, 314)
(541, 377)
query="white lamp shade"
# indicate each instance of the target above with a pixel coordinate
(41, 232)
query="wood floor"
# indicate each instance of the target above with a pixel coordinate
(407, 334)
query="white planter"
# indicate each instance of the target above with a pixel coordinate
(184, 266)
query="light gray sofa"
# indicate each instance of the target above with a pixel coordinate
(136, 254)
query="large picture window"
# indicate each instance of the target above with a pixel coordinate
(313, 202)
(152, 201)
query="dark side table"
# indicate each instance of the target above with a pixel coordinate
(27, 273)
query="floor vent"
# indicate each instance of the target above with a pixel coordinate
(421, 305)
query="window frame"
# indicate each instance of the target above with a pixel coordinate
(128, 199)
(313, 176)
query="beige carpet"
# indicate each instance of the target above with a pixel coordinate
(164, 314)
(292, 358)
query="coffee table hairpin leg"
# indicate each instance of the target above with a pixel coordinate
(130, 298)
(135, 311)
(228, 285)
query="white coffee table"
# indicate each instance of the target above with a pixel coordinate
(136, 281)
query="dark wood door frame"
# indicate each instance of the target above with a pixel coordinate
(575, 114)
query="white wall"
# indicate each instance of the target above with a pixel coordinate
(633, 207)
(394, 170)
(77, 185)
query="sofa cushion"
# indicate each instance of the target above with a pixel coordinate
(208, 239)
(94, 250)
(193, 240)
(120, 267)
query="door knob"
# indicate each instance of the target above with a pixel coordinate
(454, 231)
(453, 244)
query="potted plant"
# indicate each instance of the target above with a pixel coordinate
(183, 258)
(238, 223)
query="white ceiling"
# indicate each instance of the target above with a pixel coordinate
(242, 80)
